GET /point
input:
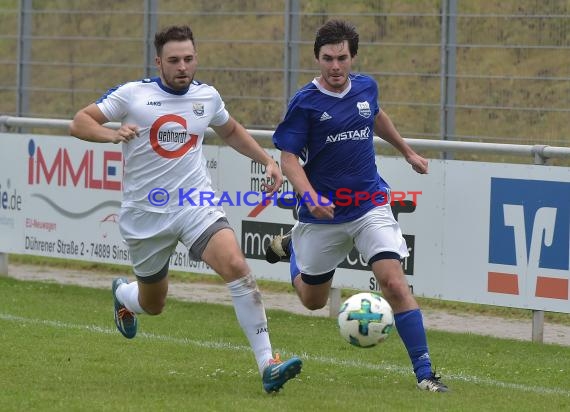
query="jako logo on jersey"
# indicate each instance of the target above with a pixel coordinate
(151, 103)
(364, 109)
(529, 238)
(350, 135)
(61, 166)
(158, 136)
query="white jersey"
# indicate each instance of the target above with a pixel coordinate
(167, 154)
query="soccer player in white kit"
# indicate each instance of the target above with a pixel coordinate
(163, 121)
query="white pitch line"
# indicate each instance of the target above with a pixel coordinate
(305, 356)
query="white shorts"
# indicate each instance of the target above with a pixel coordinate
(320, 248)
(152, 237)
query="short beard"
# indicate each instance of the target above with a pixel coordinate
(173, 86)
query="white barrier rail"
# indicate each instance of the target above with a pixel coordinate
(540, 153)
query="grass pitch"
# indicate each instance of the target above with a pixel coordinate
(59, 350)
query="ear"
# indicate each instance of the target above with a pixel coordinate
(157, 61)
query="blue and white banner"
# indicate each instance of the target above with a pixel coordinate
(476, 232)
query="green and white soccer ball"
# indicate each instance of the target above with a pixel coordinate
(365, 319)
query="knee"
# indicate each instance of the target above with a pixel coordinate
(314, 302)
(236, 265)
(395, 287)
(315, 305)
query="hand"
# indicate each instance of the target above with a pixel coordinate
(274, 178)
(419, 164)
(125, 133)
(321, 208)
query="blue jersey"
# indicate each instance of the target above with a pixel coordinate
(333, 133)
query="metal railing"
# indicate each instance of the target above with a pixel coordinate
(539, 153)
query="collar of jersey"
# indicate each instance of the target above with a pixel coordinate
(333, 94)
(168, 89)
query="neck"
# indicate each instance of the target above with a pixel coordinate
(331, 88)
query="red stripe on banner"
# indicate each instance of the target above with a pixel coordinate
(259, 208)
(503, 283)
(555, 288)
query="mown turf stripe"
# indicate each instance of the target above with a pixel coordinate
(305, 356)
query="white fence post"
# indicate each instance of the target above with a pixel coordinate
(334, 302)
(538, 315)
(538, 326)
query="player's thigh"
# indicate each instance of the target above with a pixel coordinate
(394, 284)
(389, 273)
(320, 248)
(151, 241)
(313, 295)
(223, 254)
(209, 237)
(196, 225)
(377, 232)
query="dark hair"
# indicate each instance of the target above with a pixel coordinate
(172, 33)
(335, 32)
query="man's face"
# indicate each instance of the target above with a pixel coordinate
(335, 64)
(177, 64)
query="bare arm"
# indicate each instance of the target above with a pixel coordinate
(384, 128)
(87, 124)
(318, 205)
(235, 135)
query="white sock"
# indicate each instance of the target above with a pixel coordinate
(250, 313)
(128, 295)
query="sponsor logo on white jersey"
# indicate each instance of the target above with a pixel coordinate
(162, 138)
(173, 136)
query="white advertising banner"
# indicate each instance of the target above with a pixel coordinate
(63, 196)
(12, 195)
(71, 193)
(476, 232)
(507, 235)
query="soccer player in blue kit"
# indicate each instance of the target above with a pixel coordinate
(163, 121)
(329, 126)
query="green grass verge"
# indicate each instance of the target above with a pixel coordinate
(60, 351)
(427, 303)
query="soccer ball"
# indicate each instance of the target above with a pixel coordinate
(365, 319)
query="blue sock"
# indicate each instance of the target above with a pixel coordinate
(293, 268)
(410, 327)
